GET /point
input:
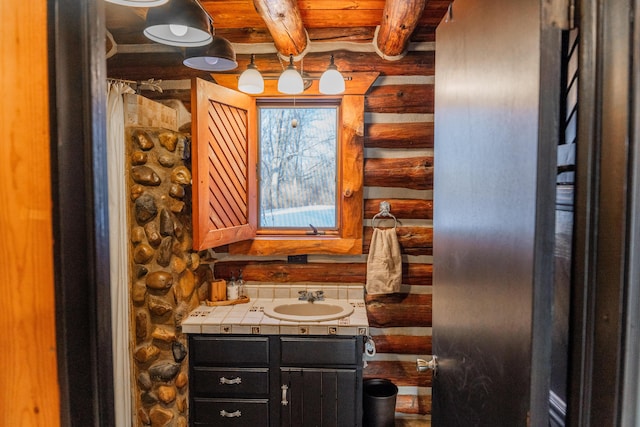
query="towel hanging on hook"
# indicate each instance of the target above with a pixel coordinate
(385, 213)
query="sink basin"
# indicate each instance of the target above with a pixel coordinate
(300, 311)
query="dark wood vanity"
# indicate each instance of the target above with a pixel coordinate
(275, 380)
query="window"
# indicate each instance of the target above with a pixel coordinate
(230, 208)
(298, 168)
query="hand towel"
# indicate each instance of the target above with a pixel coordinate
(384, 263)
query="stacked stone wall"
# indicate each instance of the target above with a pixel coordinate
(167, 278)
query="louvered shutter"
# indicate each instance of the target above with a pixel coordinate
(223, 165)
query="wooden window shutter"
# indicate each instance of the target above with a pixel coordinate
(223, 165)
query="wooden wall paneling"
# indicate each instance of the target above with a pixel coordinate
(412, 240)
(233, 13)
(399, 135)
(424, 33)
(254, 35)
(399, 372)
(412, 404)
(334, 18)
(318, 14)
(393, 126)
(403, 344)
(351, 34)
(415, 173)
(283, 272)
(400, 99)
(168, 66)
(411, 310)
(29, 384)
(401, 208)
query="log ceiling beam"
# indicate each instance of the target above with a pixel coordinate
(284, 22)
(399, 19)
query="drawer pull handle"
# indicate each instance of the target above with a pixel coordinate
(236, 380)
(284, 388)
(226, 414)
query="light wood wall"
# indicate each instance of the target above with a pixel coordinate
(28, 385)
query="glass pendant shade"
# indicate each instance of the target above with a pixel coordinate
(218, 56)
(179, 23)
(331, 81)
(251, 80)
(290, 81)
(139, 3)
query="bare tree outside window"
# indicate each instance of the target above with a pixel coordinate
(298, 163)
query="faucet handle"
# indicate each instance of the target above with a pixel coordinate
(320, 295)
(303, 295)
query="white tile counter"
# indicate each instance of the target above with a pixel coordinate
(249, 318)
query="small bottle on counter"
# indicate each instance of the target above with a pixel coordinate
(232, 289)
(240, 285)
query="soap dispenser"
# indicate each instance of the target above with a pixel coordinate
(240, 285)
(232, 289)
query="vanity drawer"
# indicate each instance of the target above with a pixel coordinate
(229, 351)
(230, 412)
(319, 351)
(230, 382)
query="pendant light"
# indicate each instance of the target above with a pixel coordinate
(331, 81)
(180, 23)
(290, 81)
(139, 3)
(218, 56)
(251, 80)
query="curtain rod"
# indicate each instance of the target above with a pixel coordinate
(121, 80)
(151, 84)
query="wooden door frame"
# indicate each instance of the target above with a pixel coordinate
(604, 318)
(77, 109)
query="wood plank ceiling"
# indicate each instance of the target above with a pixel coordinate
(331, 25)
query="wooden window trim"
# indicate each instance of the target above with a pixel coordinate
(349, 239)
(304, 102)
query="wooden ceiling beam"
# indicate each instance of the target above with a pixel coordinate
(399, 19)
(284, 22)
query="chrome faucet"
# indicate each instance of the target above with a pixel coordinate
(311, 296)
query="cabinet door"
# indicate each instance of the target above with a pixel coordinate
(319, 398)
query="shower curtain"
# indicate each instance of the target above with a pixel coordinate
(118, 252)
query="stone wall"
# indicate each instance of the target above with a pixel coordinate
(167, 278)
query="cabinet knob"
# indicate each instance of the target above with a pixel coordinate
(284, 388)
(226, 414)
(236, 380)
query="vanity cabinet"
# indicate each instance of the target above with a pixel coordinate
(275, 380)
(229, 380)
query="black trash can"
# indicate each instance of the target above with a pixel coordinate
(379, 403)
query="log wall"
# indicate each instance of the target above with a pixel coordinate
(399, 169)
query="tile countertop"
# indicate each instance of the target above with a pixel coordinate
(249, 318)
